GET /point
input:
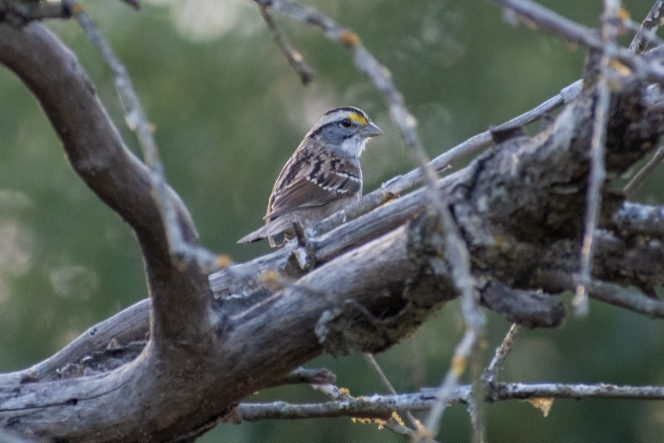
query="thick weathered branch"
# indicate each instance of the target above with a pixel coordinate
(96, 152)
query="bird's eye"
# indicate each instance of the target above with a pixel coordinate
(346, 123)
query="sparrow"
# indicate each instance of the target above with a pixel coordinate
(321, 177)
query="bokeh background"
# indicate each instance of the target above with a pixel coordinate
(228, 112)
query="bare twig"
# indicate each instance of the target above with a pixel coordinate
(387, 417)
(637, 181)
(597, 146)
(373, 364)
(295, 59)
(626, 298)
(138, 122)
(535, 15)
(650, 36)
(404, 182)
(494, 367)
(473, 406)
(639, 45)
(378, 406)
(648, 27)
(402, 118)
(522, 391)
(375, 406)
(456, 252)
(445, 393)
(552, 21)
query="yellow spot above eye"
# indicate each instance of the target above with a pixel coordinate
(357, 118)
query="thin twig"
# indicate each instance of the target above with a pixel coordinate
(404, 182)
(401, 183)
(650, 36)
(537, 16)
(138, 122)
(639, 45)
(375, 406)
(373, 364)
(494, 367)
(648, 27)
(614, 294)
(637, 181)
(523, 391)
(450, 385)
(402, 118)
(626, 298)
(456, 252)
(597, 146)
(294, 57)
(339, 395)
(473, 406)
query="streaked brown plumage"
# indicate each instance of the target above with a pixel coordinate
(321, 177)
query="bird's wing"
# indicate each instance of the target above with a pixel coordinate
(313, 177)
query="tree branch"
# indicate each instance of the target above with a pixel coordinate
(648, 27)
(639, 219)
(372, 280)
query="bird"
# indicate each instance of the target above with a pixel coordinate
(321, 177)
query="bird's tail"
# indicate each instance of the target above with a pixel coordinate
(273, 231)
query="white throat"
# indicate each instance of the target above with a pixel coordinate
(353, 146)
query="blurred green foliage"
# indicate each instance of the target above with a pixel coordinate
(229, 111)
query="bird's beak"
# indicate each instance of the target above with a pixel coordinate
(370, 130)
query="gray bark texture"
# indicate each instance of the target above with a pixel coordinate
(172, 366)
